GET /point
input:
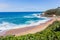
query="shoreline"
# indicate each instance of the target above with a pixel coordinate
(28, 30)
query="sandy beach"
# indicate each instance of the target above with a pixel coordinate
(29, 30)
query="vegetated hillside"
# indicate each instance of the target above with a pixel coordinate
(52, 12)
(50, 33)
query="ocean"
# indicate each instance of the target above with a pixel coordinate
(13, 20)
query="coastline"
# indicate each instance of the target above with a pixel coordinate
(28, 30)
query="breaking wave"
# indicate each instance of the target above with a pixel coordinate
(33, 16)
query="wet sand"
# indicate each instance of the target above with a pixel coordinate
(29, 30)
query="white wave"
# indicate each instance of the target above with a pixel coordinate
(33, 15)
(28, 16)
(8, 26)
(37, 15)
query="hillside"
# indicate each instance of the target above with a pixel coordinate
(51, 12)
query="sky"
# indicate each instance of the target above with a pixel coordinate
(27, 5)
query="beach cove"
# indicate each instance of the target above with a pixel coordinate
(20, 20)
(29, 30)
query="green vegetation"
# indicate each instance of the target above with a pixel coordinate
(50, 33)
(52, 12)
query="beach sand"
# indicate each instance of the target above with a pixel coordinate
(29, 30)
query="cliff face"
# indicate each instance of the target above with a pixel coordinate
(52, 12)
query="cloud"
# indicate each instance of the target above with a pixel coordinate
(3, 5)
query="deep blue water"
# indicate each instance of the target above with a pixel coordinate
(19, 17)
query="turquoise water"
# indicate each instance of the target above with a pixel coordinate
(12, 20)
